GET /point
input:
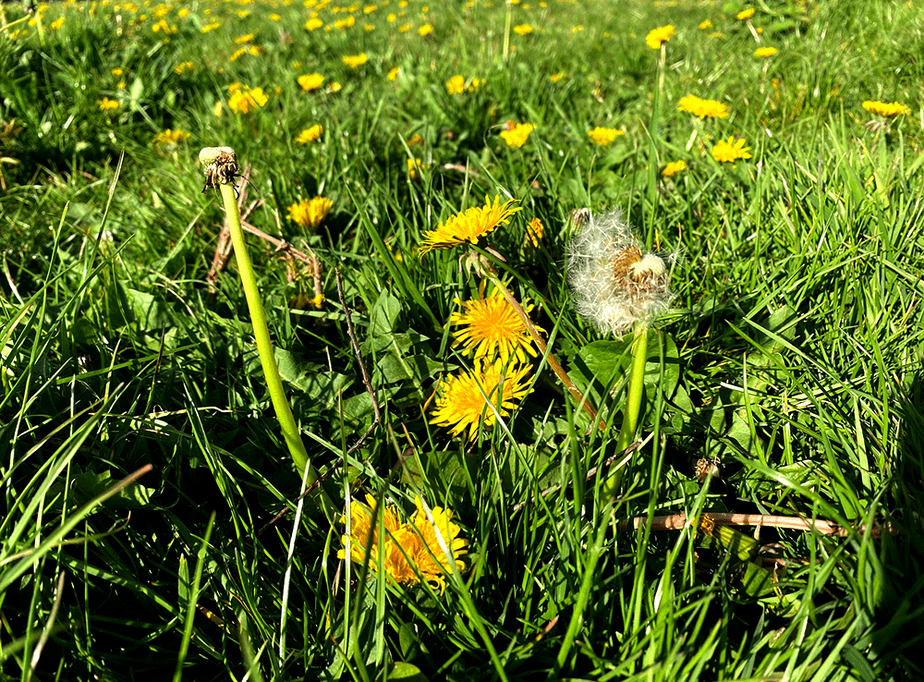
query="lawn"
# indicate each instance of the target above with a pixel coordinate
(599, 329)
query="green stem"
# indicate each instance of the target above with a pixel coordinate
(290, 430)
(633, 399)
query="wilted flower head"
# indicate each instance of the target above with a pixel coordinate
(615, 284)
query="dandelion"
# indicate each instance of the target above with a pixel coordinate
(516, 134)
(491, 328)
(356, 60)
(765, 52)
(393, 74)
(210, 27)
(615, 284)
(181, 68)
(555, 77)
(313, 24)
(310, 214)
(171, 137)
(885, 109)
(705, 25)
(469, 226)
(673, 168)
(745, 14)
(106, 104)
(535, 231)
(727, 151)
(425, 30)
(117, 71)
(413, 550)
(702, 108)
(310, 134)
(311, 81)
(604, 136)
(244, 100)
(57, 23)
(241, 40)
(657, 36)
(467, 399)
(414, 167)
(349, 22)
(522, 29)
(456, 85)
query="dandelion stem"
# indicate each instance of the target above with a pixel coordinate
(633, 399)
(219, 172)
(540, 342)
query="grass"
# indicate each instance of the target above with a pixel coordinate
(791, 356)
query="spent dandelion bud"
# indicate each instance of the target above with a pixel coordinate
(615, 283)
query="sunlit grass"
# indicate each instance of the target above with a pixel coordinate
(782, 191)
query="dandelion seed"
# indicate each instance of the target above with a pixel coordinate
(615, 284)
(729, 151)
(469, 226)
(702, 108)
(604, 136)
(886, 110)
(657, 36)
(461, 402)
(491, 328)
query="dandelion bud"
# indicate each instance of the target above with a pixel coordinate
(615, 285)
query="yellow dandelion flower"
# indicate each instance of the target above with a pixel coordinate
(369, 9)
(356, 60)
(657, 36)
(702, 108)
(425, 30)
(673, 168)
(413, 550)
(885, 109)
(431, 561)
(727, 151)
(491, 328)
(469, 226)
(349, 22)
(462, 404)
(182, 68)
(393, 74)
(456, 85)
(211, 27)
(535, 231)
(522, 29)
(310, 134)
(604, 136)
(106, 104)
(248, 38)
(117, 71)
(311, 81)
(310, 214)
(245, 100)
(745, 14)
(275, 17)
(516, 134)
(335, 86)
(555, 77)
(171, 136)
(765, 52)
(414, 167)
(313, 24)
(705, 25)
(57, 23)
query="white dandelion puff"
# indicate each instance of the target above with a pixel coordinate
(615, 284)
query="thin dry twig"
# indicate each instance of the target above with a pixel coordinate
(367, 382)
(679, 521)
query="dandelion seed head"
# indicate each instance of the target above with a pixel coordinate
(615, 283)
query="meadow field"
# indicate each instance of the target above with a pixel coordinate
(599, 325)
